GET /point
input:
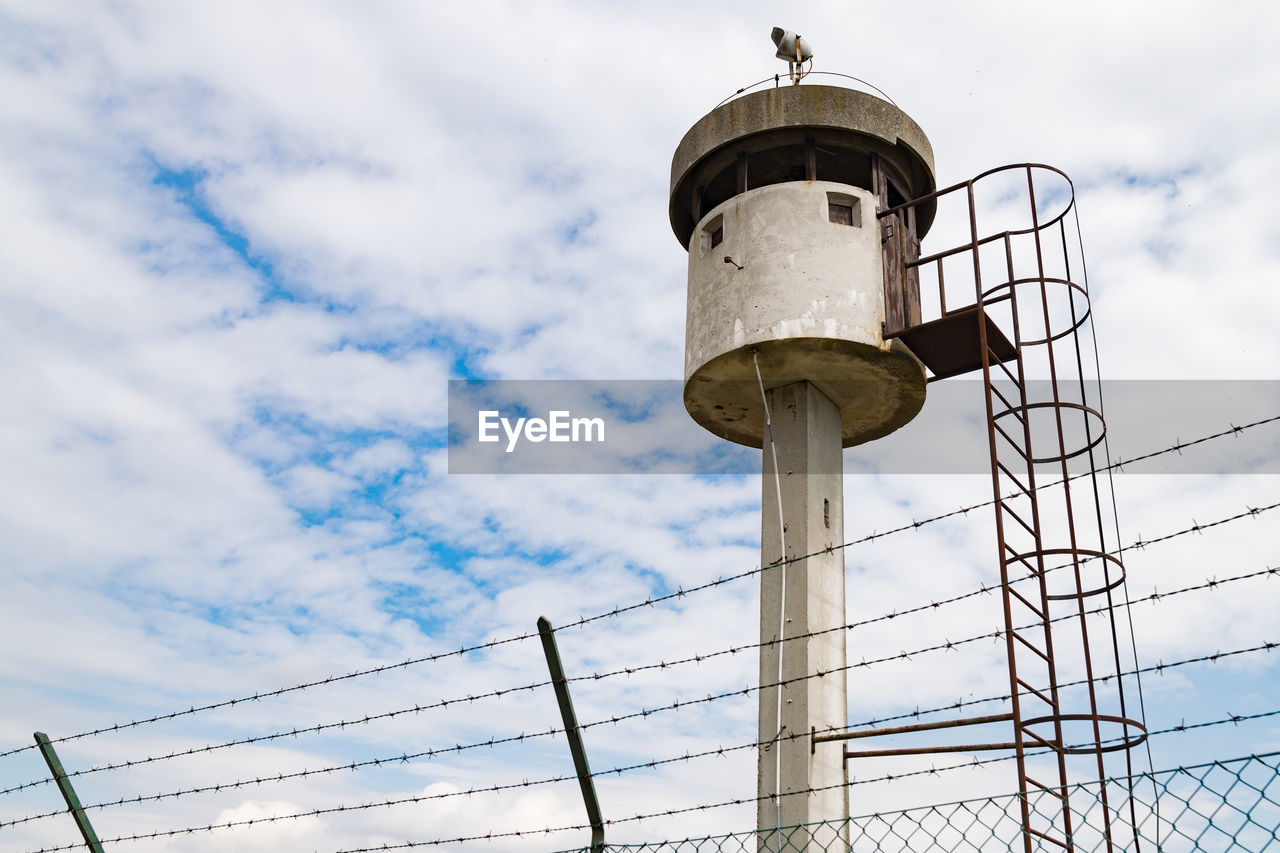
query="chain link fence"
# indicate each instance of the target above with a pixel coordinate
(1229, 806)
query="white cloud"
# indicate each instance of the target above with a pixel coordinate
(246, 245)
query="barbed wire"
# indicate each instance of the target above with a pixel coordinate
(616, 611)
(1198, 528)
(1233, 719)
(1157, 596)
(524, 783)
(997, 634)
(1122, 778)
(1154, 597)
(984, 589)
(917, 524)
(719, 751)
(429, 753)
(418, 708)
(1157, 668)
(227, 703)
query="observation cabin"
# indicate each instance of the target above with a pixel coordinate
(774, 195)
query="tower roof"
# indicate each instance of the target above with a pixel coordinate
(850, 122)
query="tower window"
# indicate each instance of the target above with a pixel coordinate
(712, 234)
(844, 209)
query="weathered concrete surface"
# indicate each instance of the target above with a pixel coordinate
(809, 298)
(806, 433)
(880, 125)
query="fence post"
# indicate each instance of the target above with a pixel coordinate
(571, 731)
(68, 793)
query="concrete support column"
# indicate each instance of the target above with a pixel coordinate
(807, 437)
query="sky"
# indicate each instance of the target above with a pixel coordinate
(245, 246)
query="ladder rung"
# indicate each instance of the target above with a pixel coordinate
(1009, 474)
(1016, 411)
(1032, 571)
(1016, 447)
(1036, 610)
(1027, 643)
(1027, 527)
(1048, 743)
(1044, 788)
(1016, 556)
(1043, 698)
(1012, 378)
(1047, 837)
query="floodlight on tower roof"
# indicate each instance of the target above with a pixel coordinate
(793, 48)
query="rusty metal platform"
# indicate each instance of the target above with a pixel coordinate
(951, 345)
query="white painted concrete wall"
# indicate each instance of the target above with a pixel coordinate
(803, 276)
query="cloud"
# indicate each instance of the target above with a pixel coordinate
(246, 247)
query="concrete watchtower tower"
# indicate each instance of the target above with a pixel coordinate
(791, 293)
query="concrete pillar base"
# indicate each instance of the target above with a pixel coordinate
(807, 439)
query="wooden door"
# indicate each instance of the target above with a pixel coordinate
(899, 248)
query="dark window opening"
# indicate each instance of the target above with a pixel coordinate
(844, 209)
(895, 198)
(712, 234)
(781, 163)
(778, 165)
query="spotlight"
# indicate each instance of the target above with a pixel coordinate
(791, 47)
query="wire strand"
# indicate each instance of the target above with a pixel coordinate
(650, 764)
(948, 645)
(1233, 719)
(616, 611)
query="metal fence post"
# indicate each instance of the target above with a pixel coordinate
(68, 793)
(571, 731)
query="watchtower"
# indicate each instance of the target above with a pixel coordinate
(802, 209)
(791, 295)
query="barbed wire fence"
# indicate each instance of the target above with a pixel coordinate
(1208, 585)
(644, 713)
(1270, 791)
(681, 593)
(1229, 806)
(1231, 719)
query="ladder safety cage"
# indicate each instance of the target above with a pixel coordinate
(1004, 300)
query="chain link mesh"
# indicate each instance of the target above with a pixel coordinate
(1229, 806)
